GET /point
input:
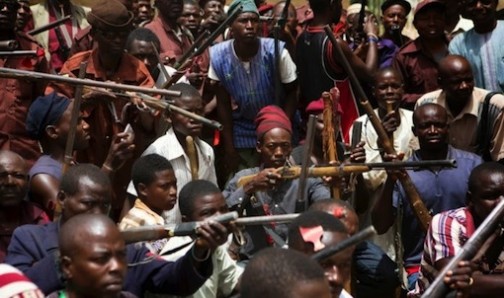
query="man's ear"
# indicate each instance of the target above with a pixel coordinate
(52, 131)
(258, 147)
(142, 190)
(61, 196)
(66, 267)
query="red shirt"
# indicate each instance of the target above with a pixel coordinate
(419, 72)
(172, 46)
(16, 97)
(57, 59)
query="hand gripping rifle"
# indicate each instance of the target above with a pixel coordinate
(472, 247)
(343, 169)
(418, 207)
(151, 233)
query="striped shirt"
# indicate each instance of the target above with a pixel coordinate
(13, 284)
(448, 232)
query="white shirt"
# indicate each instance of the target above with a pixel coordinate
(169, 147)
(404, 141)
(225, 275)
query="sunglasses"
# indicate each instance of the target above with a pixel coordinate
(11, 5)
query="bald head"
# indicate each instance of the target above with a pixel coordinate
(12, 157)
(93, 256)
(78, 230)
(453, 64)
(427, 110)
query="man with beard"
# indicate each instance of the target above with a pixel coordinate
(16, 94)
(267, 193)
(15, 210)
(440, 189)
(465, 105)
(175, 39)
(394, 16)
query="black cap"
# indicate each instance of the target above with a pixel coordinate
(403, 3)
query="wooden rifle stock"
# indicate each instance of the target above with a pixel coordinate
(329, 137)
(438, 288)
(417, 205)
(193, 157)
(343, 169)
(151, 233)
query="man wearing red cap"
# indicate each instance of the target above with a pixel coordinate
(417, 61)
(268, 193)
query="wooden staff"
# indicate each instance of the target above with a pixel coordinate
(417, 205)
(390, 109)
(344, 169)
(40, 76)
(68, 159)
(193, 157)
(329, 140)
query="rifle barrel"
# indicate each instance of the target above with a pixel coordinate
(438, 288)
(48, 26)
(19, 53)
(35, 76)
(150, 233)
(337, 248)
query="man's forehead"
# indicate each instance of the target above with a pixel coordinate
(9, 162)
(141, 47)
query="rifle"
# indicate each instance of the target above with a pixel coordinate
(8, 45)
(329, 140)
(438, 288)
(343, 169)
(417, 205)
(151, 233)
(49, 26)
(302, 201)
(19, 53)
(190, 52)
(36, 76)
(360, 25)
(71, 133)
(339, 247)
(193, 51)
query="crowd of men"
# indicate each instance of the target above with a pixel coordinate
(81, 166)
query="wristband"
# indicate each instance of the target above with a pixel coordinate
(372, 39)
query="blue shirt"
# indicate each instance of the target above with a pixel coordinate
(440, 190)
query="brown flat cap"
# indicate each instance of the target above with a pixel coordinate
(110, 15)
